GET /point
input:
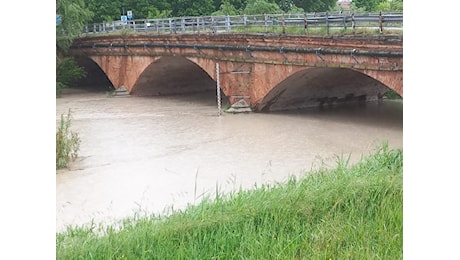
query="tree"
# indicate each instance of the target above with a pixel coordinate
(262, 7)
(368, 5)
(394, 5)
(192, 8)
(295, 10)
(226, 8)
(103, 10)
(73, 16)
(315, 5)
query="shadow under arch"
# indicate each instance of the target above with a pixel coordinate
(173, 75)
(315, 87)
(95, 80)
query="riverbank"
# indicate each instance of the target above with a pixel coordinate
(350, 211)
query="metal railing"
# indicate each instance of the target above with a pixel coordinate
(304, 23)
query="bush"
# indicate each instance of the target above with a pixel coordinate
(67, 72)
(67, 142)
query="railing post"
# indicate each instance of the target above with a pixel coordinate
(227, 23)
(327, 23)
(198, 24)
(213, 25)
(94, 28)
(182, 24)
(380, 22)
(283, 23)
(305, 23)
(266, 22)
(353, 25)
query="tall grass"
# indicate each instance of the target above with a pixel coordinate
(350, 212)
(67, 142)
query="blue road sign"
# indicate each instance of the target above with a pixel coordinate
(124, 19)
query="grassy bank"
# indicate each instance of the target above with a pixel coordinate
(350, 212)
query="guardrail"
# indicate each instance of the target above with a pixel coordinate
(303, 23)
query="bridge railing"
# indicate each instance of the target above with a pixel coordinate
(303, 23)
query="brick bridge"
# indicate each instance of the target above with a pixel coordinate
(271, 72)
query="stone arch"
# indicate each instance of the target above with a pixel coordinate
(321, 86)
(96, 79)
(392, 79)
(172, 75)
(123, 70)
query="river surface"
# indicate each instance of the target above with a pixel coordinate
(158, 154)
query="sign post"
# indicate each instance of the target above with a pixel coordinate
(124, 17)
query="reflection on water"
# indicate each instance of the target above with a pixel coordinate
(157, 153)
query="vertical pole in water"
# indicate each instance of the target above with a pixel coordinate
(218, 89)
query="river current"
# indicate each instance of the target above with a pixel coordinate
(158, 154)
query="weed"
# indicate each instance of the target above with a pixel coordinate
(67, 142)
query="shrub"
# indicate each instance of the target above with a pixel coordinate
(67, 142)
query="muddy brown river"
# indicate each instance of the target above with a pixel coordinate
(158, 154)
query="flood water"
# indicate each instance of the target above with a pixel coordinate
(154, 154)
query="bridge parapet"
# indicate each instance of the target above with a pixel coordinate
(363, 52)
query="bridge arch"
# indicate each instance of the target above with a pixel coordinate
(96, 79)
(313, 87)
(172, 75)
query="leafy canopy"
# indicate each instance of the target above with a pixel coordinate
(73, 16)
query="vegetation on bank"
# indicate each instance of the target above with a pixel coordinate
(67, 142)
(350, 212)
(74, 15)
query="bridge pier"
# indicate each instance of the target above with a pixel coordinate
(123, 71)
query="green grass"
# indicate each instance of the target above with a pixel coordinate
(350, 212)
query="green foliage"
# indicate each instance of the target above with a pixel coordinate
(67, 142)
(110, 10)
(192, 8)
(295, 10)
(315, 5)
(261, 7)
(350, 212)
(74, 16)
(356, 9)
(395, 5)
(153, 12)
(226, 8)
(67, 72)
(379, 5)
